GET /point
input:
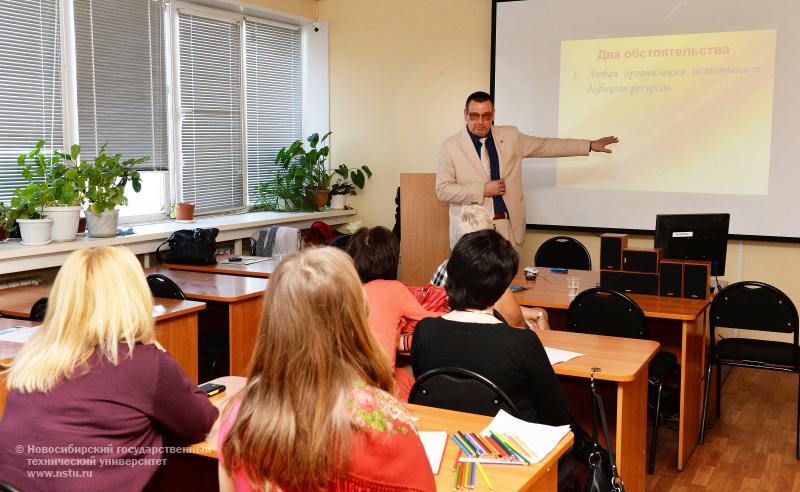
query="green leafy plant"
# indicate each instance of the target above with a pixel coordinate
(106, 179)
(7, 217)
(54, 179)
(349, 180)
(303, 174)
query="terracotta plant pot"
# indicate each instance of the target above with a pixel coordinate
(321, 197)
(184, 211)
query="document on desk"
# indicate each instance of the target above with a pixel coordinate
(434, 443)
(18, 334)
(538, 438)
(557, 355)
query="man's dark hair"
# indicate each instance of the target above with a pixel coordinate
(479, 270)
(376, 253)
(480, 97)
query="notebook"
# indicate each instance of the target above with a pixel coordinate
(434, 443)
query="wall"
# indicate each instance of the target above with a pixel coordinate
(399, 74)
(303, 8)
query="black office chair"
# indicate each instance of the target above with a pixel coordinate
(752, 306)
(600, 311)
(39, 310)
(212, 344)
(563, 252)
(462, 390)
(340, 241)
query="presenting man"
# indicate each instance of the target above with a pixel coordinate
(482, 165)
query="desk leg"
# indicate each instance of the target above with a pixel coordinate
(244, 317)
(631, 438)
(692, 357)
(179, 337)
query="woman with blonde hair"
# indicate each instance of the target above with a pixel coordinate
(93, 387)
(476, 218)
(316, 412)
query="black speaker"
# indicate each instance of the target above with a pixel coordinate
(629, 282)
(641, 260)
(670, 278)
(696, 279)
(611, 246)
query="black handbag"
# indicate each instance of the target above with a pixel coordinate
(190, 247)
(599, 479)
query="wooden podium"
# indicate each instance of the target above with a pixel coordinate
(424, 226)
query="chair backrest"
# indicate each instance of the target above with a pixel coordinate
(39, 310)
(563, 252)
(275, 240)
(462, 390)
(754, 306)
(163, 286)
(7, 487)
(340, 241)
(601, 311)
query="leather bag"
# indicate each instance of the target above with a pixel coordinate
(190, 247)
(599, 478)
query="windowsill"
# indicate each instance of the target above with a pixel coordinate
(14, 257)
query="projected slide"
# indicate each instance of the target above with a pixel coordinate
(693, 112)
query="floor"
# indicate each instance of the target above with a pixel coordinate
(752, 446)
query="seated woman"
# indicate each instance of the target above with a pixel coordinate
(316, 412)
(480, 269)
(476, 218)
(376, 253)
(93, 377)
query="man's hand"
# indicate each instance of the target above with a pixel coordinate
(600, 144)
(495, 188)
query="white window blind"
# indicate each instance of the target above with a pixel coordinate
(274, 101)
(30, 83)
(211, 169)
(121, 79)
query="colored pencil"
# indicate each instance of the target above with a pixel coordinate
(483, 474)
(505, 452)
(513, 449)
(460, 445)
(466, 441)
(497, 450)
(457, 474)
(487, 442)
(472, 475)
(461, 474)
(517, 441)
(476, 443)
(458, 456)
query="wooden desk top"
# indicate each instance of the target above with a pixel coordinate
(9, 350)
(261, 269)
(205, 287)
(549, 290)
(18, 301)
(172, 308)
(619, 359)
(430, 419)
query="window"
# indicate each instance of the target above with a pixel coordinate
(30, 83)
(210, 108)
(274, 101)
(122, 89)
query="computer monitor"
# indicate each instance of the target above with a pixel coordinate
(694, 237)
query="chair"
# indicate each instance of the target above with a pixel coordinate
(563, 252)
(39, 310)
(752, 306)
(212, 344)
(461, 390)
(340, 241)
(599, 311)
(7, 487)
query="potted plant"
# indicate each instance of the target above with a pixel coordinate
(184, 211)
(348, 181)
(106, 179)
(27, 203)
(7, 220)
(304, 173)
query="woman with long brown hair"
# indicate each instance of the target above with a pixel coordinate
(316, 412)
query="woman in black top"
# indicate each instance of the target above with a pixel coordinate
(480, 268)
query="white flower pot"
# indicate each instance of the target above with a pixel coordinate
(102, 225)
(35, 232)
(338, 202)
(65, 222)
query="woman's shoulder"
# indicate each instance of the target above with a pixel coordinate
(372, 409)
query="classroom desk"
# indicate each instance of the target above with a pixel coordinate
(176, 321)
(260, 269)
(176, 331)
(677, 323)
(239, 300)
(543, 476)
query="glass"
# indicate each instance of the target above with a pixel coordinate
(573, 286)
(478, 116)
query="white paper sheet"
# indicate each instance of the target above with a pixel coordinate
(557, 355)
(18, 334)
(538, 438)
(434, 443)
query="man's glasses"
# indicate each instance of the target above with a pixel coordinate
(483, 117)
